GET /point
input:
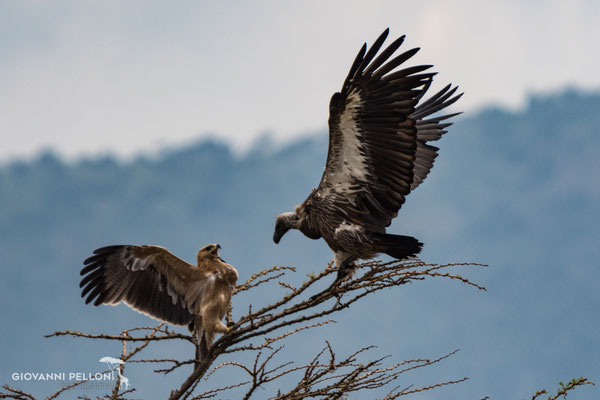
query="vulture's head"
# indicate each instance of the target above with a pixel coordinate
(284, 223)
(210, 250)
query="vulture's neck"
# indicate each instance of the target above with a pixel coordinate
(291, 219)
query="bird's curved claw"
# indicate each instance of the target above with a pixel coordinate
(331, 288)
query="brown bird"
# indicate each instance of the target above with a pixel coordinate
(379, 129)
(153, 281)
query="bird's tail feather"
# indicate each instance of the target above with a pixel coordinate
(397, 246)
(202, 346)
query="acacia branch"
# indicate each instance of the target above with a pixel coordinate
(167, 335)
(12, 393)
(259, 330)
(287, 312)
(564, 389)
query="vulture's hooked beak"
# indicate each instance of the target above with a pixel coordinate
(215, 251)
(284, 223)
(280, 230)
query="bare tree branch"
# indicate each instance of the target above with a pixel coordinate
(166, 335)
(293, 311)
(564, 389)
(12, 393)
(258, 331)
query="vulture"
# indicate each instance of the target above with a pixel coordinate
(155, 282)
(379, 132)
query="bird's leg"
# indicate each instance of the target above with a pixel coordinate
(220, 327)
(344, 271)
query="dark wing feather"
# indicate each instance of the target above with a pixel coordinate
(431, 129)
(373, 136)
(147, 278)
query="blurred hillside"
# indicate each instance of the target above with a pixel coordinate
(518, 191)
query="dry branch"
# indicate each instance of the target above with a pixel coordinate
(258, 331)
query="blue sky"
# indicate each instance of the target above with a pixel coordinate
(87, 78)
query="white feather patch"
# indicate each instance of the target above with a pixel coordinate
(346, 228)
(138, 264)
(173, 294)
(352, 164)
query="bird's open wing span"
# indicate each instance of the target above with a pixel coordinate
(147, 278)
(377, 135)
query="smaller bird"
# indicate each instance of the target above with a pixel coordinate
(155, 282)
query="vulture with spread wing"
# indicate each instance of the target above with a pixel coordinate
(379, 129)
(153, 281)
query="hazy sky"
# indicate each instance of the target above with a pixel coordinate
(86, 77)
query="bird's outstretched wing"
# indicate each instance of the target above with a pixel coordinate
(149, 279)
(377, 135)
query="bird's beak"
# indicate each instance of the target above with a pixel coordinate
(278, 234)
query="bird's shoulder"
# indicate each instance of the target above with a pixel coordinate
(217, 268)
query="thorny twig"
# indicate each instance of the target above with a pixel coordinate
(12, 393)
(166, 335)
(564, 389)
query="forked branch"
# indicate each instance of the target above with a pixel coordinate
(265, 331)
